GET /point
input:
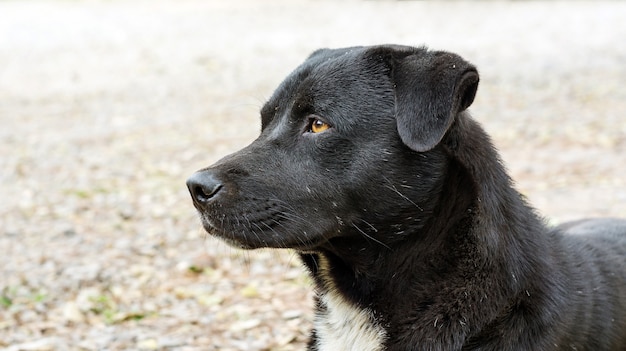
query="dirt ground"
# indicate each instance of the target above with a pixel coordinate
(107, 106)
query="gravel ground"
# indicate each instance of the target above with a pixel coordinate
(106, 108)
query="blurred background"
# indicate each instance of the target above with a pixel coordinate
(106, 107)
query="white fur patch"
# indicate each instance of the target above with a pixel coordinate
(346, 327)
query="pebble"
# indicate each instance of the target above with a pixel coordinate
(72, 313)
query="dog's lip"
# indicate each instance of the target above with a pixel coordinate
(240, 241)
(308, 245)
(299, 245)
(245, 239)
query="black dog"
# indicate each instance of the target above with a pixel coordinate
(399, 206)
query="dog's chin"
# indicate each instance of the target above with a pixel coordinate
(251, 241)
(233, 240)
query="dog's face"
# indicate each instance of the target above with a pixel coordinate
(348, 149)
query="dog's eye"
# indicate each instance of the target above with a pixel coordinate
(318, 126)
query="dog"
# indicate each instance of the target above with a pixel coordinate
(370, 167)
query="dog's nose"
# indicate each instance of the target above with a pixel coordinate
(203, 187)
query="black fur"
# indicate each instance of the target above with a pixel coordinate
(404, 208)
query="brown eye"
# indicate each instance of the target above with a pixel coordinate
(318, 126)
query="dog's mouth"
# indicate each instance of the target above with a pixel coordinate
(269, 227)
(251, 240)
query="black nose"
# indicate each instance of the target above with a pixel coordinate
(204, 187)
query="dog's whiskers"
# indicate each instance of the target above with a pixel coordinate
(369, 225)
(369, 236)
(289, 212)
(271, 228)
(251, 229)
(292, 217)
(391, 186)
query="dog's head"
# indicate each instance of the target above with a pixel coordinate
(349, 148)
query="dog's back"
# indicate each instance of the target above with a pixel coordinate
(596, 254)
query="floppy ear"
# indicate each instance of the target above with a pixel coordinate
(432, 88)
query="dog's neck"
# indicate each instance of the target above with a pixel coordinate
(500, 205)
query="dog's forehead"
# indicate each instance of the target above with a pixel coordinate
(323, 66)
(327, 75)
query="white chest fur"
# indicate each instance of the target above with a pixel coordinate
(345, 327)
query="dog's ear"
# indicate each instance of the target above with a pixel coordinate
(432, 88)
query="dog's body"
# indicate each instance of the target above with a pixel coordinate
(399, 206)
